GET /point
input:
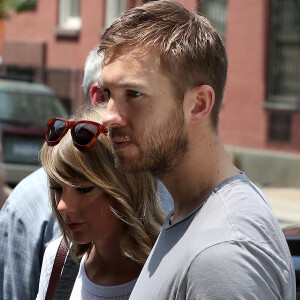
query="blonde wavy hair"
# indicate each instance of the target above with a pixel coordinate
(139, 207)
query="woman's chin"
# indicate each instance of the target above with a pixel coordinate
(80, 241)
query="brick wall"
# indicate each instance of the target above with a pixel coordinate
(60, 64)
(243, 121)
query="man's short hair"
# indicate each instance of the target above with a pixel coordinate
(92, 71)
(191, 52)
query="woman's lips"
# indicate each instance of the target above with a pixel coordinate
(74, 226)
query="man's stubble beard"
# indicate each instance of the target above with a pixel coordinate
(164, 147)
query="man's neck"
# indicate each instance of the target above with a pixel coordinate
(203, 168)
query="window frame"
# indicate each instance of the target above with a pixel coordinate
(282, 43)
(112, 10)
(69, 25)
(217, 19)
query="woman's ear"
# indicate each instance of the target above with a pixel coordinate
(204, 100)
(96, 94)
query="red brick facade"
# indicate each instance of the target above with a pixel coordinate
(243, 120)
(64, 57)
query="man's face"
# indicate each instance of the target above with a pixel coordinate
(146, 123)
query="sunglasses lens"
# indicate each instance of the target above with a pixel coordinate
(55, 130)
(83, 133)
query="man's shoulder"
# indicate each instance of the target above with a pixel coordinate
(29, 201)
(234, 213)
(238, 211)
(249, 271)
(240, 201)
(32, 191)
(35, 180)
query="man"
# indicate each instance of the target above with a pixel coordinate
(26, 222)
(164, 74)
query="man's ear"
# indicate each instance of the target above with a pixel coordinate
(204, 100)
(96, 94)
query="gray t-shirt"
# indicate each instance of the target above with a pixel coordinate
(231, 247)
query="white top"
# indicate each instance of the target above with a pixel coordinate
(83, 287)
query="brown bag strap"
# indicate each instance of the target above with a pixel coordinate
(67, 278)
(56, 270)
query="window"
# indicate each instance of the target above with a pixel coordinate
(26, 73)
(69, 21)
(284, 56)
(112, 10)
(280, 127)
(216, 12)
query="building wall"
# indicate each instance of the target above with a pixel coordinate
(1, 35)
(39, 25)
(243, 119)
(30, 41)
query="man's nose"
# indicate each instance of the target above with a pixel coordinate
(114, 116)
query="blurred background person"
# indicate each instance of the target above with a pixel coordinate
(3, 191)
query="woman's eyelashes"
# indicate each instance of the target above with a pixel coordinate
(56, 188)
(80, 189)
(84, 190)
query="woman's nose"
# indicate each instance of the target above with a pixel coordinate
(66, 202)
(62, 206)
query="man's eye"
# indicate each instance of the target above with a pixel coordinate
(134, 94)
(84, 190)
(106, 93)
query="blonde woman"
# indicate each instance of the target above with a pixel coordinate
(111, 218)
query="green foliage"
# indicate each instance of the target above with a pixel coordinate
(9, 6)
(21, 5)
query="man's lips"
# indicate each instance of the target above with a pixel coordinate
(120, 143)
(74, 226)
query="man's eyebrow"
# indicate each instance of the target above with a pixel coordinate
(125, 85)
(100, 85)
